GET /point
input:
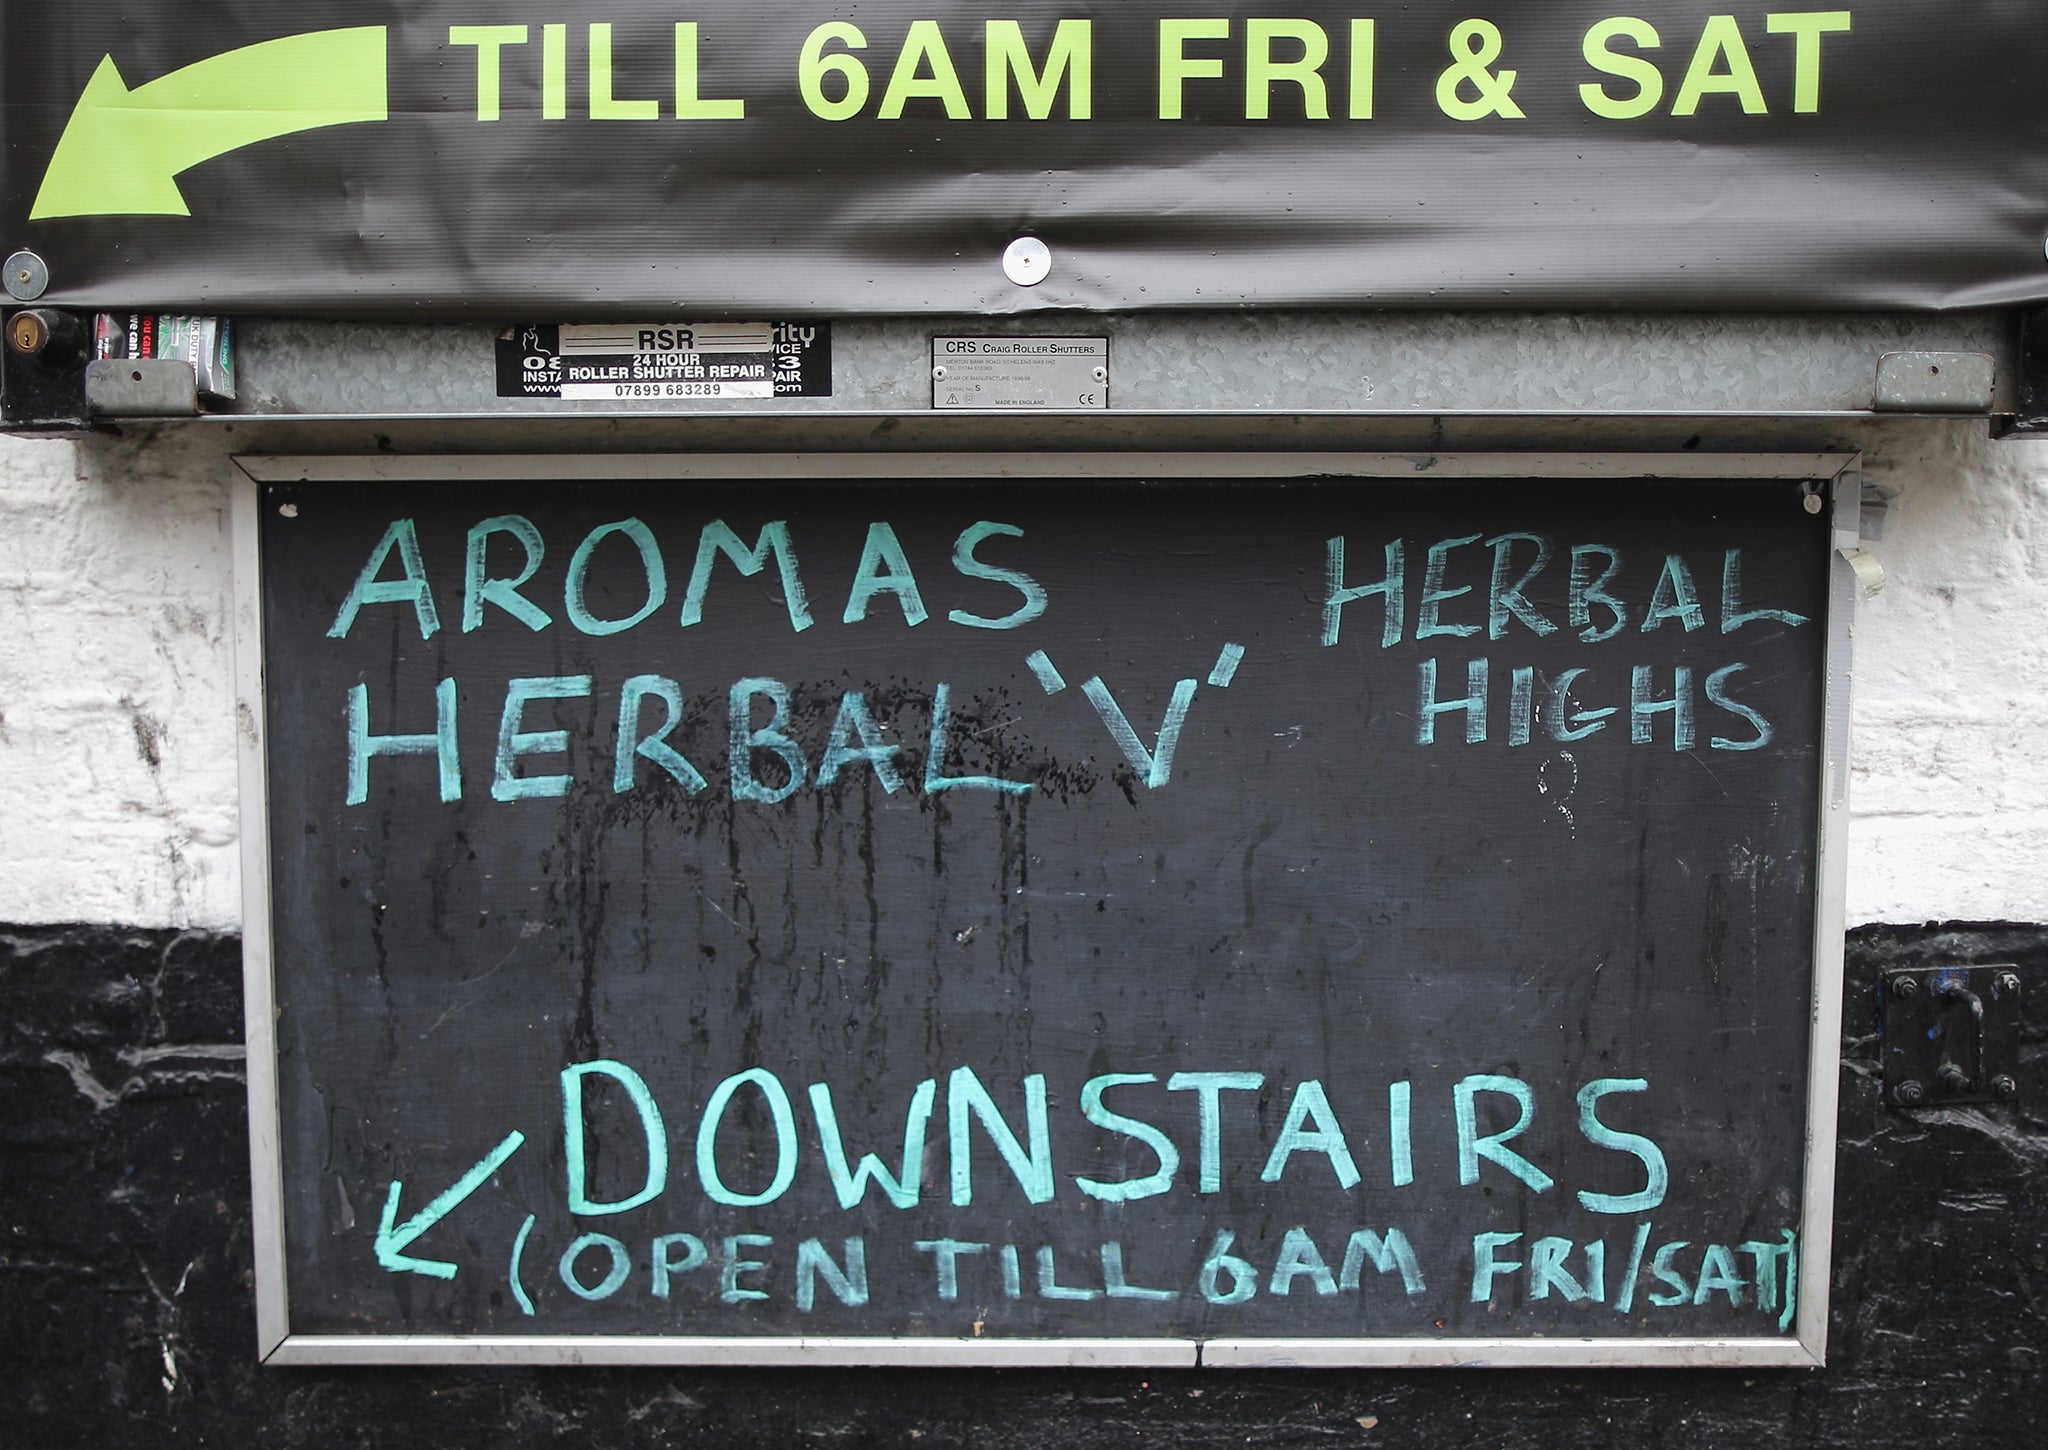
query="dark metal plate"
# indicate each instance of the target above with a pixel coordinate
(1951, 1035)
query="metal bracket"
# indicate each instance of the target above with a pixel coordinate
(1935, 382)
(1951, 1035)
(141, 388)
(2032, 417)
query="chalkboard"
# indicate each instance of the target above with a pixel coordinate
(1147, 910)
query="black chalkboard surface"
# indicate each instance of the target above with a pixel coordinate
(1316, 910)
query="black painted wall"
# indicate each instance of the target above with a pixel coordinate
(126, 1313)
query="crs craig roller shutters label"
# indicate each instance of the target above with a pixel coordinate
(528, 160)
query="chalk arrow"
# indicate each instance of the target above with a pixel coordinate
(393, 1237)
(121, 148)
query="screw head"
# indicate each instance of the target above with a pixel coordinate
(1906, 987)
(1952, 1078)
(1027, 261)
(1908, 1094)
(939, 373)
(2007, 983)
(2004, 1088)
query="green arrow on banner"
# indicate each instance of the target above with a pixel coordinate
(394, 1238)
(121, 149)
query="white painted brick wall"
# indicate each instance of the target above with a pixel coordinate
(117, 752)
(1949, 755)
(115, 684)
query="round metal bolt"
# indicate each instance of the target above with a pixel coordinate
(2004, 1088)
(26, 276)
(2007, 983)
(1027, 261)
(1102, 375)
(1907, 1094)
(1811, 503)
(1906, 988)
(939, 373)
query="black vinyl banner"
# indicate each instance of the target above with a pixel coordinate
(519, 159)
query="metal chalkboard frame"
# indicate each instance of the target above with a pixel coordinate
(1837, 474)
